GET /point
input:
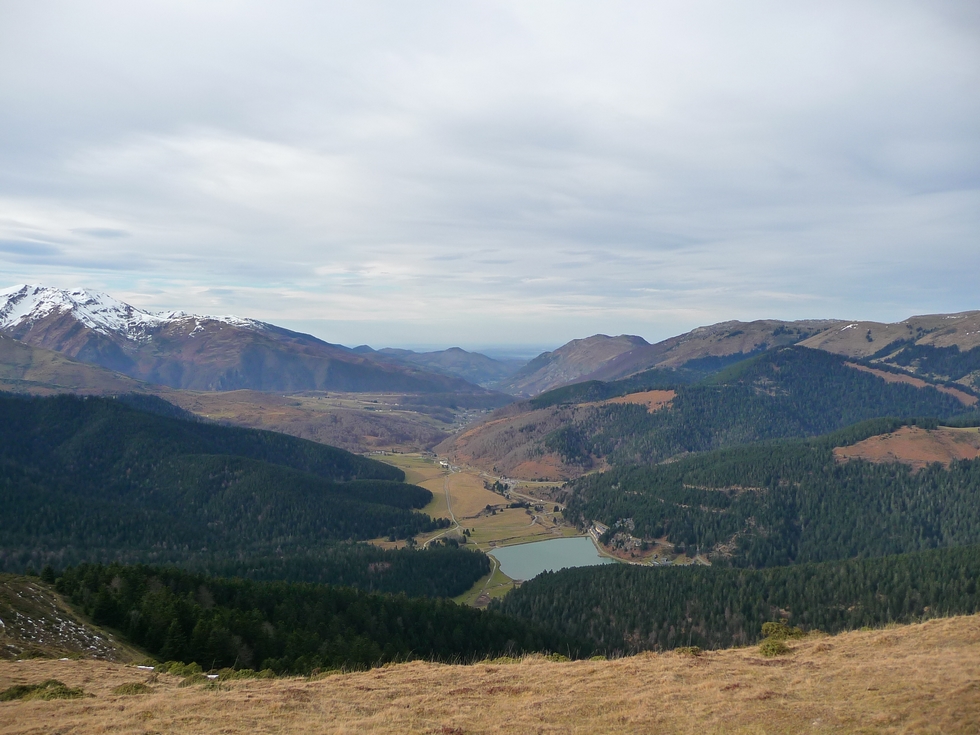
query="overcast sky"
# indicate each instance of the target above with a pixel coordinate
(490, 173)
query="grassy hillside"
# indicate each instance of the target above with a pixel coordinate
(903, 679)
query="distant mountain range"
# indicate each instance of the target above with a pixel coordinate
(201, 352)
(225, 353)
(941, 346)
(455, 362)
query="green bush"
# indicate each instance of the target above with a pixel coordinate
(780, 631)
(135, 687)
(49, 689)
(194, 679)
(557, 657)
(773, 647)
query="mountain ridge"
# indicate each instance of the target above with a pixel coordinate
(185, 351)
(933, 345)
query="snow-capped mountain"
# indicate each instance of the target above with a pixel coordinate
(198, 352)
(98, 311)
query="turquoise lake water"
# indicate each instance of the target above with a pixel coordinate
(526, 561)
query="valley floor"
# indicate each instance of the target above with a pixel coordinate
(911, 679)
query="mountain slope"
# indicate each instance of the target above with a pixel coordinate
(941, 346)
(471, 366)
(788, 392)
(200, 353)
(610, 358)
(627, 608)
(573, 361)
(788, 502)
(38, 624)
(93, 479)
(28, 369)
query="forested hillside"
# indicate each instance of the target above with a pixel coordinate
(786, 392)
(621, 608)
(788, 502)
(290, 627)
(96, 480)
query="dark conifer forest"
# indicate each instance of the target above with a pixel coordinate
(96, 480)
(621, 608)
(787, 502)
(291, 627)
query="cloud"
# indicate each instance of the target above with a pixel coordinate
(106, 233)
(512, 172)
(38, 250)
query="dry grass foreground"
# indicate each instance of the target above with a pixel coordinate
(915, 679)
(915, 446)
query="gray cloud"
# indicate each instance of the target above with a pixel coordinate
(105, 233)
(500, 172)
(32, 250)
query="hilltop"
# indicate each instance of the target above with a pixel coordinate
(916, 678)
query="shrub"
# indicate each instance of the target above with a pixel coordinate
(780, 631)
(135, 687)
(689, 650)
(49, 689)
(773, 647)
(557, 657)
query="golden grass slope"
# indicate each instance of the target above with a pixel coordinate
(915, 679)
(915, 446)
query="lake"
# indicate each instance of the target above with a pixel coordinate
(525, 561)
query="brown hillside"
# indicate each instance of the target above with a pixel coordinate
(916, 446)
(569, 363)
(717, 340)
(939, 330)
(510, 442)
(356, 422)
(911, 679)
(28, 369)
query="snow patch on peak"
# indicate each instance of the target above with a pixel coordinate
(97, 311)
